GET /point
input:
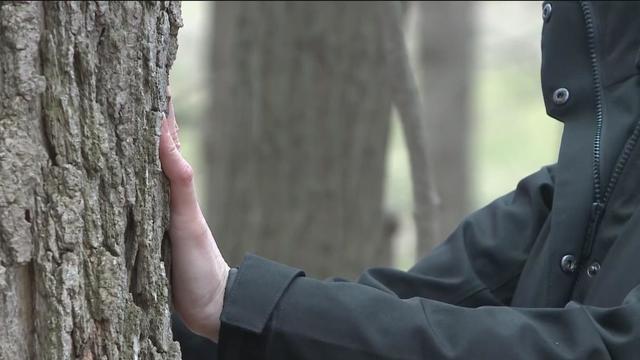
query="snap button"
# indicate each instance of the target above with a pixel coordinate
(560, 96)
(593, 269)
(568, 263)
(546, 12)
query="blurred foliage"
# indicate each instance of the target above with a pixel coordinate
(513, 136)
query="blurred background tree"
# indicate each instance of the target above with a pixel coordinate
(297, 136)
(442, 35)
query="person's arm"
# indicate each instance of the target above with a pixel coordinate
(481, 261)
(273, 309)
(312, 319)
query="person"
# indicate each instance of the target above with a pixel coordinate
(548, 271)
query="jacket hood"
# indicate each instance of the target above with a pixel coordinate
(590, 82)
(592, 49)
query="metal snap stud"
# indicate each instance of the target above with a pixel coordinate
(593, 269)
(560, 96)
(568, 263)
(546, 11)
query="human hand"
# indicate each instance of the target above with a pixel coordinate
(199, 272)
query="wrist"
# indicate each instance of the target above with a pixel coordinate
(217, 303)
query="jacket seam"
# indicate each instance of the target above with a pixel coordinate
(470, 294)
(436, 334)
(482, 288)
(620, 80)
(594, 322)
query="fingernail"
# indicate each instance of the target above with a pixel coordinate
(164, 125)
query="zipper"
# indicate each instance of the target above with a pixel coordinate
(599, 201)
(597, 209)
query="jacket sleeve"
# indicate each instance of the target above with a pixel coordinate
(481, 261)
(448, 306)
(324, 320)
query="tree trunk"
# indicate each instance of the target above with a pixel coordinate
(83, 202)
(298, 132)
(407, 100)
(443, 37)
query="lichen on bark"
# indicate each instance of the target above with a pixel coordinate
(83, 202)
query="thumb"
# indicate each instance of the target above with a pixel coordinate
(179, 172)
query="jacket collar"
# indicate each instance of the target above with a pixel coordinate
(590, 82)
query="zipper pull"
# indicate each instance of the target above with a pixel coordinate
(596, 209)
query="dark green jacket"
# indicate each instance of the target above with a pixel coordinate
(549, 271)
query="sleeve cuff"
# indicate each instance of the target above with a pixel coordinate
(254, 291)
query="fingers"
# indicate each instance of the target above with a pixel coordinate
(179, 172)
(171, 117)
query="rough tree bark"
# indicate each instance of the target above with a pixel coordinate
(83, 202)
(443, 37)
(297, 134)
